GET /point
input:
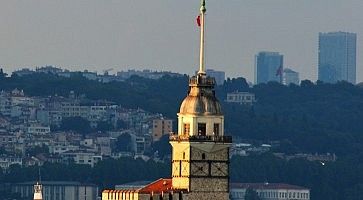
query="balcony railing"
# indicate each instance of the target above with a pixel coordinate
(201, 138)
(198, 80)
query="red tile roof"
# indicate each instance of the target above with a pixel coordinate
(159, 186)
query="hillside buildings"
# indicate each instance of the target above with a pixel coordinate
(337, 57)
(161, 127)
(36, 122)
(243, 98)
(123, 75)
(105, 77)
(268, 67)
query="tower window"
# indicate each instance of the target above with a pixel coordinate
(186, 129)
(203, 156)
(216, 129)
(183, 155)
(202, 129)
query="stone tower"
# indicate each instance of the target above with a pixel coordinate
(200, 157)
(38, 191)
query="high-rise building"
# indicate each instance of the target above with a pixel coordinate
(219, 76)
(268, 67)
(290, 77)
(337, 57)
(200, 150)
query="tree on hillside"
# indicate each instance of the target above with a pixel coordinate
(162, 146)
(77, 124)
(123, 143)
(121, 124)
(104, 126)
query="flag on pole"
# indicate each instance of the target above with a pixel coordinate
(279, 71)
(198, 21)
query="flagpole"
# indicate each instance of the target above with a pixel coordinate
(202, 29)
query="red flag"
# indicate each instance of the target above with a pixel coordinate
(279, 71)
(198, 20)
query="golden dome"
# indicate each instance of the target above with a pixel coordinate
(201, 99)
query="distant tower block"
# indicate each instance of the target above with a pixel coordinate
(38, 191)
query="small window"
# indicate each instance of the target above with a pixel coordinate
(203, 156)
(183, 155)
(186, 129)
(202, 129)
(216, 129)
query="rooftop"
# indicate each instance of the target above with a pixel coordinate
(55, 183)
(158, 186)
(270, 186)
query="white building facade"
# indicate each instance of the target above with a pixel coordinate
(244, 98)
(269, 191)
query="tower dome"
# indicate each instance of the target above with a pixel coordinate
(201, 99)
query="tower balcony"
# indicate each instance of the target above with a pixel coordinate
(202, 81)
(201, 138)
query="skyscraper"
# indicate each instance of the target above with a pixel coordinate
(337, 57)
(290, 77)
(268, 67)
(219, 76)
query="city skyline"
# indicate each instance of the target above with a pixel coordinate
(100, 35)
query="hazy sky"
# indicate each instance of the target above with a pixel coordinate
(162, 34)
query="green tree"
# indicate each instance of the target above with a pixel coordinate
(104, 126)
(77, 124)
(251, 195)
(33, 151)
(123, 143)
(121, 124)
(162, 146)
